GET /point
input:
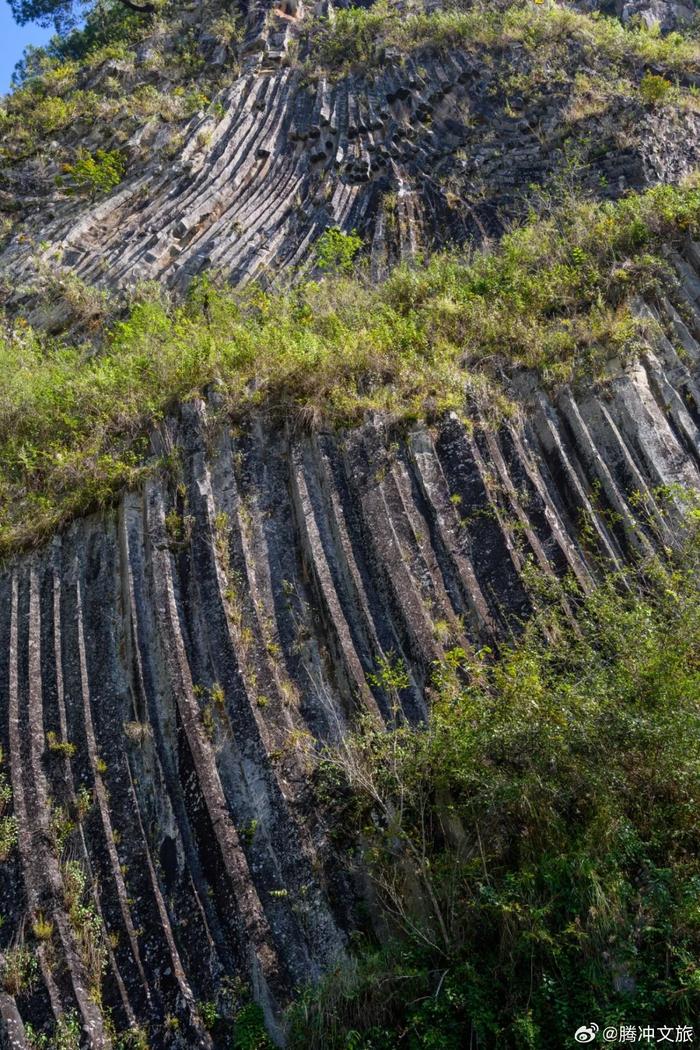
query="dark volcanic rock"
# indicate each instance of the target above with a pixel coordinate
(194, 643)
(187, 651)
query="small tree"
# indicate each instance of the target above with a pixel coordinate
(97, 172)
(64, 15)
(336, 251)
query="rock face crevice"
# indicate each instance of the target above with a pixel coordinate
(194, 646)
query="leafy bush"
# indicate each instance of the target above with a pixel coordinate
(59, 747)
(66, 1034)
(19, 970)
(655, 89)
(135, 1038)
(8, 822)
(209, 1013)
(44, 107)
(86, 922)
(536, 845)
(98, 172)
(249, 1031)
(336, 251)
(8, 836)
(42, 928)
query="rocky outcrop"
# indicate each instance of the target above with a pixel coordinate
(437, 147)
(168, 668)
(666, 14)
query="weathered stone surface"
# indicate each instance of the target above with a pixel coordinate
(193, 666)
(666, 14)
(425, 150)
(196, 641)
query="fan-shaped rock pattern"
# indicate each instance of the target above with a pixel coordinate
(167, 668)
(432, 148)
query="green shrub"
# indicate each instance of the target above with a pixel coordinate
(98, 172)
(86, 923)
(66, 1035)
(43, 108)
(8, 822)
(59, 747)
(655, 89)
(42, 928)
(135, 1038)
(249, 1031)
(18, 971)
(194, 101)
(8, 836)
(5, 789)
(209, 1013)
(68, 1032)
(536, 845)
(336, 250)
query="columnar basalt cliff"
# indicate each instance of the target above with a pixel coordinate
(189, 665)
(439, 146)
(168, 665)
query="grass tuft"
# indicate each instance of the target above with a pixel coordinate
(554, 296)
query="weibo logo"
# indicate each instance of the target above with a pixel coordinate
(586, 1033)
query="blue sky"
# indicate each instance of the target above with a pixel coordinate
(13, 40)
